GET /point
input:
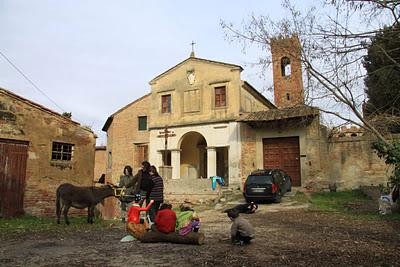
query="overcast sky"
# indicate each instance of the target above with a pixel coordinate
(94, 57)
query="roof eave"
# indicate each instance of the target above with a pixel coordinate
(107, 124)
(247, 86)
(154, 80)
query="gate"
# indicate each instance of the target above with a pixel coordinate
(283, 153)
(13, 157)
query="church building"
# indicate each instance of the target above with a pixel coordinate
(201, 119)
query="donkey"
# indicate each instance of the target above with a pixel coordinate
(80, 197)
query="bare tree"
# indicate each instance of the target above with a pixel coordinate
(334, 38)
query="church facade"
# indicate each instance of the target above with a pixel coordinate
(201, 119)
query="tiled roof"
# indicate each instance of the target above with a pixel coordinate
(279, 114)
(40, 107)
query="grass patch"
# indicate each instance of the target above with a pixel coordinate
(353, 203)
(339, 201)
(301, 197)
(30, 224)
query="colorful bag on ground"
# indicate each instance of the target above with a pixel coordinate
(187, 221)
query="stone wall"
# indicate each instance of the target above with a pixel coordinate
(311, 141)
(21, 119)
(352, 163)
(347, 162)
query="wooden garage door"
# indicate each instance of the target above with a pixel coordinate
(13, 156)
(283, 153)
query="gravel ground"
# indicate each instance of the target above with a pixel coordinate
(287, 234)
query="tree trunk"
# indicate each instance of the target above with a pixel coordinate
(191, 238)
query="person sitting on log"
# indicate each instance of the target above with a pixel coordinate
(187, 221)
(165, 220)
(247, 208)
(137, 226)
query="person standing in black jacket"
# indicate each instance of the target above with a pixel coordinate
(157, 192)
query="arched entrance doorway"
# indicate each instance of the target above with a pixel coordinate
(193, 156)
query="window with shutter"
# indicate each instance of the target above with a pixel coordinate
(166, 104)
(142, 153)
(142, 123)
(220, 96)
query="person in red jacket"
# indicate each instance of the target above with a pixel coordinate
(165, 219)
(137, 226)
(134, 211)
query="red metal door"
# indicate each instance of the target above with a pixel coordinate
(13, 156)
(283, 153)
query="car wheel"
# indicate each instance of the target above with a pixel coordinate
(278, 197)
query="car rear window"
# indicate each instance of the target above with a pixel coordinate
(252, 179)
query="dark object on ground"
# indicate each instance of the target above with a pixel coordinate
(247, 208)
(395, 193)
(191, 238)
(80, 197)
(102, 179)
(182, 207)
(268, 184)
(332, 187)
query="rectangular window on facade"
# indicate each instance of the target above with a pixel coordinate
(166, 104)
(220, 96)
(62, 151)
(142, 123)
(142, 154)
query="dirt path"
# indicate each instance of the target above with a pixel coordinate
(286, 235)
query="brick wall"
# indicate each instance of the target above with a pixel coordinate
(248, 153)
(40, 126)
(100, 162)
(126, 137)
(288, 90)
(123, 141)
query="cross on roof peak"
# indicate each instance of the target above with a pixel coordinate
(192, 53)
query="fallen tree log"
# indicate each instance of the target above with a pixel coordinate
(191, 238)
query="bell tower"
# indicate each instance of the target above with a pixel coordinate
(286, 67)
